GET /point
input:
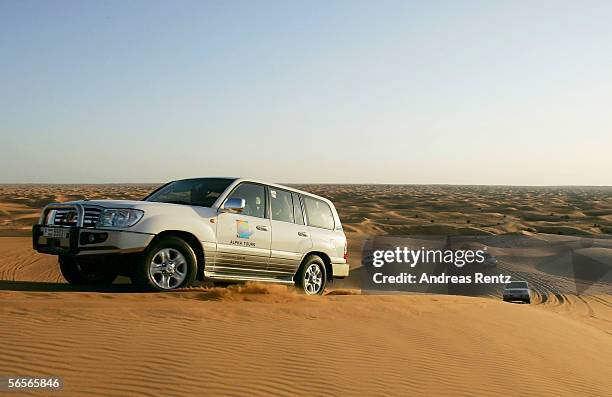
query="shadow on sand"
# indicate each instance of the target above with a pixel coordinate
(35, 286)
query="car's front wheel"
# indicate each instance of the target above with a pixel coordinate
(167, 264)
(312, 276)
(87, 271)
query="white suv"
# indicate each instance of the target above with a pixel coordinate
(224, 229)
(517, 291)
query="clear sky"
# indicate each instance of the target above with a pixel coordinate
(462, 92)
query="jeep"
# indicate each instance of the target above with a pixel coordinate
(517, 291)
(219, 229)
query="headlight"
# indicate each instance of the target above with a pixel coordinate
(119, 217)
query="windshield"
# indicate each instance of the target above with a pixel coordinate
(201, 191)
(517, 284)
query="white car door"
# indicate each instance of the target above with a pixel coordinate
(290, 237)
(243, 239)
(322, 228)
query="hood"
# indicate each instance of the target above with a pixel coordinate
(138, 204)
(110, 203)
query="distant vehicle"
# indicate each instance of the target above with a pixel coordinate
(517, 291)
(224, 229)
(489, 260)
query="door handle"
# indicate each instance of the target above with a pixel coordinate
(303, 234)
(263, 228)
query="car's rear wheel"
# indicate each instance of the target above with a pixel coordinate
(87, 271)
(167, 264)
(312, 276)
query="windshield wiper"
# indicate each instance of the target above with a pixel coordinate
(178, 202)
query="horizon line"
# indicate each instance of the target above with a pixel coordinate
(319, 183)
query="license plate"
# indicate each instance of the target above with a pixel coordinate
(55, 232)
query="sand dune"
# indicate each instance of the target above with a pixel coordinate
(206, 343)
(442, 209)
(382, 209)
(21, 263)
(266, 340)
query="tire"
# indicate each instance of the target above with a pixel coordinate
(168, 263)
(311, 278)
(87, 271)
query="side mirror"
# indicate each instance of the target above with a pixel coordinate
(234, 205)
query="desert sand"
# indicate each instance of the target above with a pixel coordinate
(382, 209)
(267, 340)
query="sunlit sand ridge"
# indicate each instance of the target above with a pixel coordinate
(267, 340)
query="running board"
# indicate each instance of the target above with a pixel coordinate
(224, 277)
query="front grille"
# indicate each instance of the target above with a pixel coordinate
(69, 217)
(65, 217)
(92, 214)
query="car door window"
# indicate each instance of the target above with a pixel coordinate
(281, 205)
(297, 210)
(318, 213)
(254, 197)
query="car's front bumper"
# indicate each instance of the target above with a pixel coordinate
(79, 241)
(516, 297)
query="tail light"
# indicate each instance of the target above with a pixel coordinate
(346, 250)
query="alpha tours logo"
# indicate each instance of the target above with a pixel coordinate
(242, 229)
(243, 232)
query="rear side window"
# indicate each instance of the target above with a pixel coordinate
(281, 205)
(318, 213)
(254, 196)
(297, 210)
